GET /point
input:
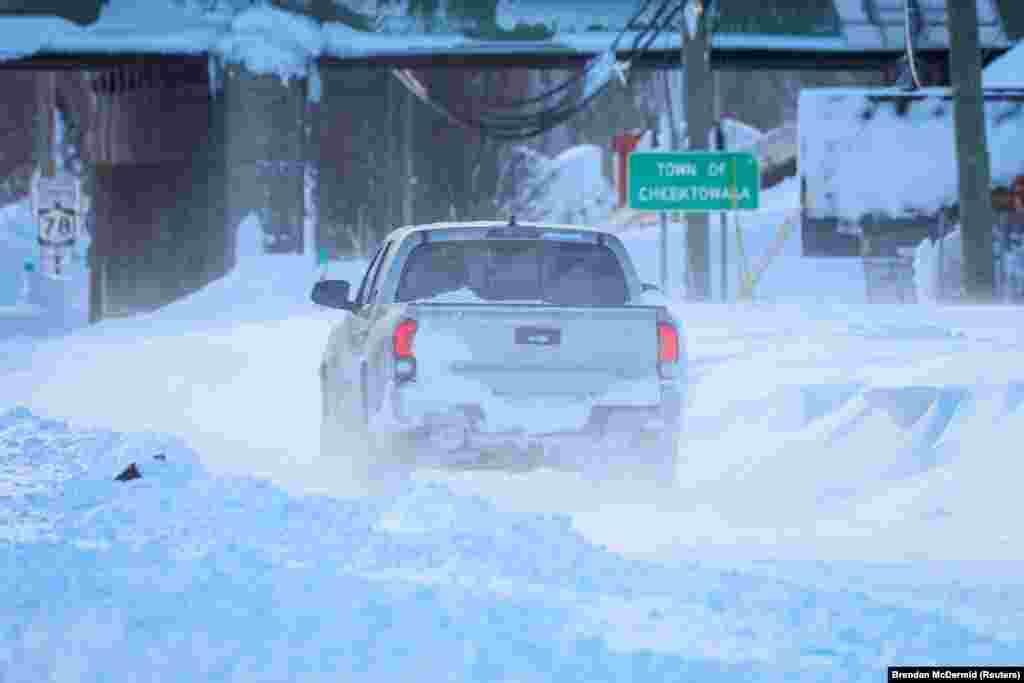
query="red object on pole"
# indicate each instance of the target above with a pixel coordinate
(1018, 193)
(623, 145)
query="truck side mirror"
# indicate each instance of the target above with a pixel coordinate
(333, 294)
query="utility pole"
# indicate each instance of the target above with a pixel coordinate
(46, 87)
(410, 179)
(46, 166)
(699, 106)
(976, 214)
(312, 240)
(723, 217)
(662, 217)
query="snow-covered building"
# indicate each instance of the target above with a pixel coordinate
(887, 155)
(879, 170)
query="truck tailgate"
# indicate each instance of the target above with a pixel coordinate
(608, 354)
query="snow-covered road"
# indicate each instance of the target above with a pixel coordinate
(849, 501)
(182, 574)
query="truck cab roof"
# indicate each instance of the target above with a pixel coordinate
(484, 227)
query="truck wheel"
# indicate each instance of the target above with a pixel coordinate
(328, 421)
(384, 459)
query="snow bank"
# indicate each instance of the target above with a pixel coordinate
(928, 269)
(261, 288)
(183, 575)
(54, 306)
(788, 275)
(160, 356)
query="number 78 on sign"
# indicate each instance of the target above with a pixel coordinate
(693, 181)
(57, 226)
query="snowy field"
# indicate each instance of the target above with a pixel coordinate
(849, 489)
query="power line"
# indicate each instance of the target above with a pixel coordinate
(607, 58)
(521, 126)
(541, 122)
(519, 123)
(569, 82)
(913, 24)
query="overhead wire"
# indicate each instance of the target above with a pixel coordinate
(538, 123)
(612, 50)
(575, 78)
(500, 121)
(573, 106)
(912, 26)
(524, 125)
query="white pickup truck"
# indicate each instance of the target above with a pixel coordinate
(504, 345)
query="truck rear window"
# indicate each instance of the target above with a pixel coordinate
(561, 273)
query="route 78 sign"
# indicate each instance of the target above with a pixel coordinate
(57, 226)
(57, 202)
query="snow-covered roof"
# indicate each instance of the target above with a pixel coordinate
(271, 40)
(1007, 71)
(844, 27)
(881, 24)
(158, 26)
(859, 155)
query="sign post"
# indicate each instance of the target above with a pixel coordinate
(323, 258)
(57, 204)
(663, 247)
(696, 182)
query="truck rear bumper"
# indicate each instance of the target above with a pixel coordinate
(455, 427)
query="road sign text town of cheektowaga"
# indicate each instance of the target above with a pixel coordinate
(693, 181)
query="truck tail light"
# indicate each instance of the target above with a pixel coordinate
(668, 349)
(405, 360)
(668, 343)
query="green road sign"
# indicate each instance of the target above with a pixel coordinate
(693, 181)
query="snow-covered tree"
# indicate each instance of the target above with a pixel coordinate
(571, 188)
